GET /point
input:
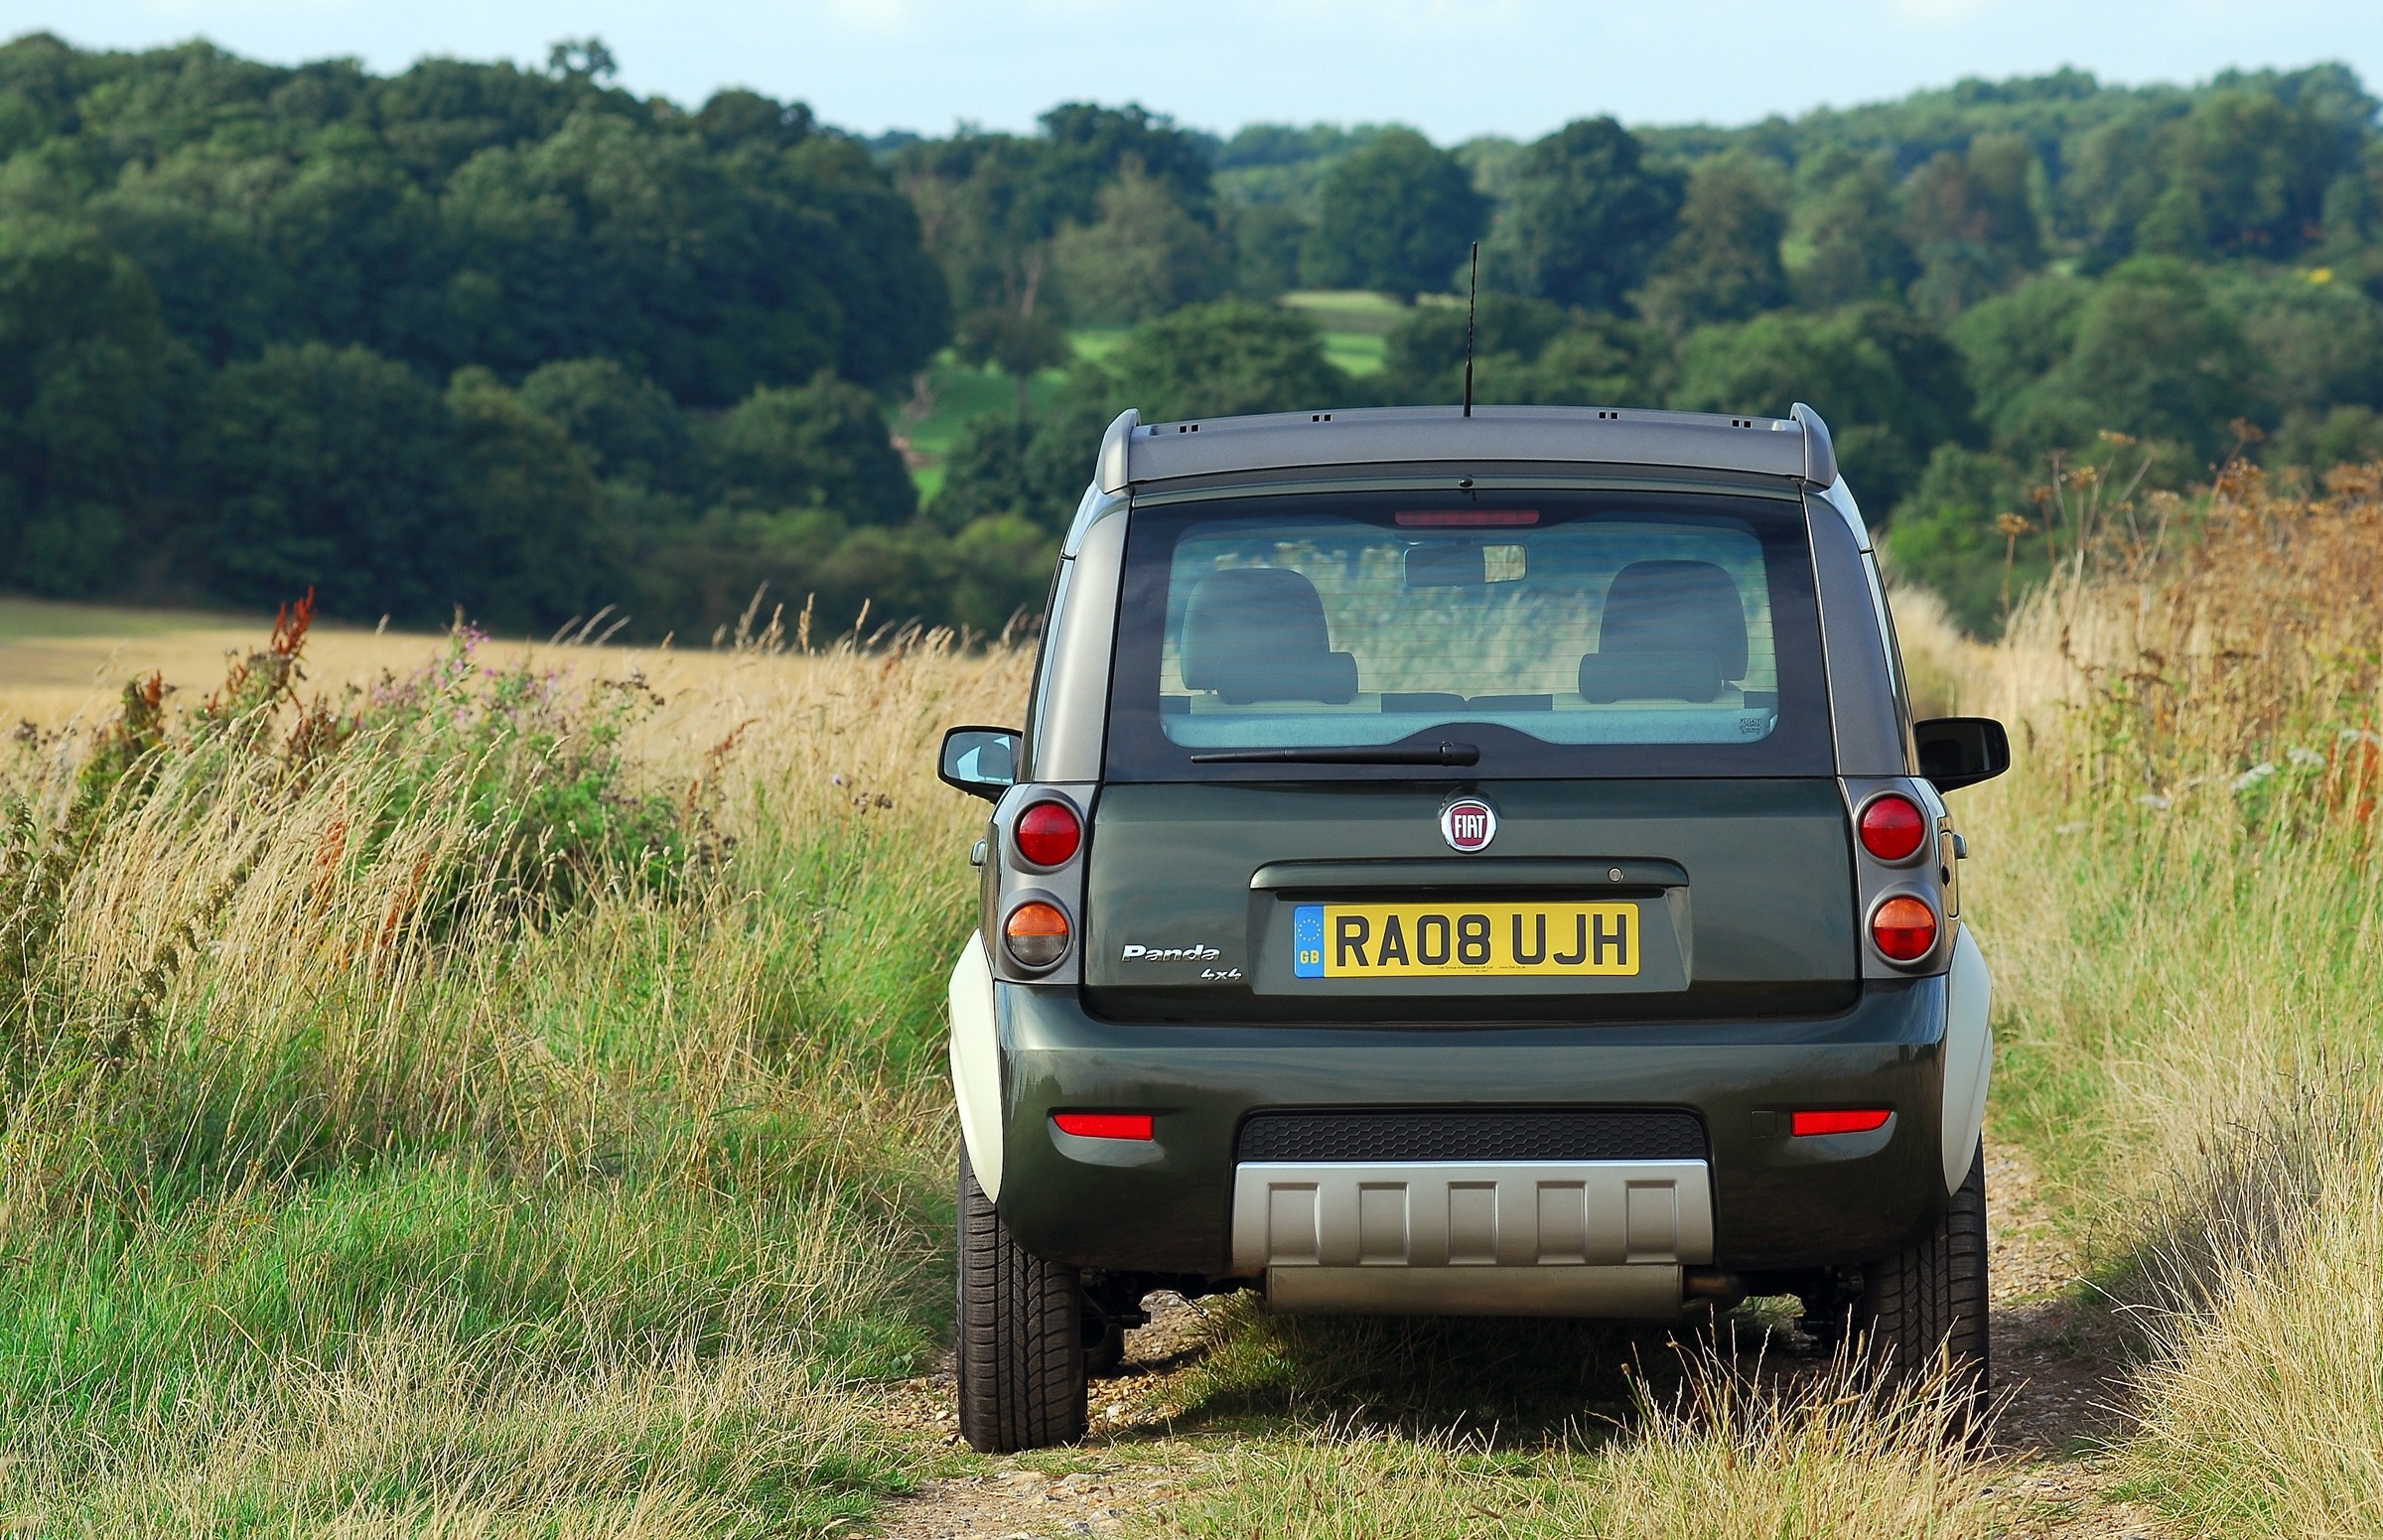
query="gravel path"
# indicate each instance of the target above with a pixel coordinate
(2061, 1407)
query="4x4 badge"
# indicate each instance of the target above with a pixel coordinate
(1469, 824)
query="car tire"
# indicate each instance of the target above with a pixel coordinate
(1929, 1304)
(1022, 1378)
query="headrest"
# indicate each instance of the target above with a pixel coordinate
(1672, 630)
(1257, 633)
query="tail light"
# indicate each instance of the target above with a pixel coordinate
(1861, 1120)
(1049, 834)
(1904, 927)
(1104, 1125)
(1035, 934)
(1892, 827)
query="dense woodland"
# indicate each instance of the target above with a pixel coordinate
(523, 341)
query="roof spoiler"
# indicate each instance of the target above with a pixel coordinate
(1113, 475)
(1820, 453)
(1797, 445)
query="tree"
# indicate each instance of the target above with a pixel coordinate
(2145, 350)
(1950, 535)
(1396, 216)
(90, 385)
(1724, 264)
(1018, 343)
(1585, 218)
(1845, 223)
(1971, 221)
(825, 446)
(327, 467)
(1890, 387)
(1143, 256)
(2247, 172)
(1526, 352)
(529, 546)
(1224, 359)
(629, 426)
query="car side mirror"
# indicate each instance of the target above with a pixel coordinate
(1957, 751)
(980, 761)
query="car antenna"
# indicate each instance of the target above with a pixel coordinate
(1472, 289)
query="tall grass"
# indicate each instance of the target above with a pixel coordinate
(497, 1100)
(2179, 890)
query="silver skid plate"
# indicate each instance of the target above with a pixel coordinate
(1471, 1214)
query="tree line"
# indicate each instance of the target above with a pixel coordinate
(521, 341)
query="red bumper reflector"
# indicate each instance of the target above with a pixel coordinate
(1103, 1125)
(1859, 1121)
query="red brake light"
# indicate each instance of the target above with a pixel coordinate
(1103, 1125)
(1859, 1121)
(1465, 519)
(1036, 934)
(1048, 833)
(1892, 827)
(1904, 927)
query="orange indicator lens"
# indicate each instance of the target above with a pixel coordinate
(1905, 928)
(1036, 934)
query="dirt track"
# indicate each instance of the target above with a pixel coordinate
(2060, 1407)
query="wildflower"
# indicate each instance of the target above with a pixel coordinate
(2359, 734)
(2252, 776)
(2307, 759)
(2153, 800)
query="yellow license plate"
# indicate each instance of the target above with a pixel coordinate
(1472, 941)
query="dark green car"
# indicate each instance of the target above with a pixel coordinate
(1476, 864)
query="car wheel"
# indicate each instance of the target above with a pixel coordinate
(1929, 1305)
(1022, 1336)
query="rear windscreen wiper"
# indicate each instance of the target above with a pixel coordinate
(1441, 754)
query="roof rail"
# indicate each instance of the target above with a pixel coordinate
(1796, 446)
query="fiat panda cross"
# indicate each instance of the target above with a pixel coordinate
(1466, 863)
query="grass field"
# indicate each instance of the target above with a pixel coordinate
(508, 1101)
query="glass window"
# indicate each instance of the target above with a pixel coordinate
(1554, 634)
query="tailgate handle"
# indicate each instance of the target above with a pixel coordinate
(1468, 872)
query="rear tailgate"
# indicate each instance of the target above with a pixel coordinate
(1598, 899)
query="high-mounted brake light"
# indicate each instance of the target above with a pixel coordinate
(1465, 519)
(1103, 1125)
(1035, 934)
(1904, 927)
(1860, 1120)
(1892, 827)
(1049, 834)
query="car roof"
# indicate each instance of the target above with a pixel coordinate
(1135, 453)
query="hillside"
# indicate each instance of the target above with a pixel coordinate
(523, 341)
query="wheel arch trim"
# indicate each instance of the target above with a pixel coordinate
(1968, 1054)
(976, 1062)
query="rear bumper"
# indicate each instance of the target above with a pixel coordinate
(1168, 1205)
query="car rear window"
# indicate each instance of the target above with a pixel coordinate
(1555, 634)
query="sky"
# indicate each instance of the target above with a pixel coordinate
(1451, 68)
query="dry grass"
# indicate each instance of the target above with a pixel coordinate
(1726, 1456)
(365, 1170)
(2178, 888)
(585, 1218)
